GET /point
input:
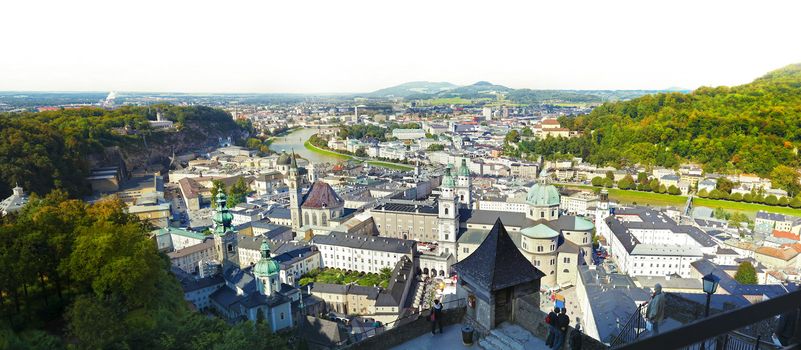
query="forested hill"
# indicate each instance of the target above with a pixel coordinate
(48, 150)
(751, 128)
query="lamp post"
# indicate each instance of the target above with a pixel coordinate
(710, 284)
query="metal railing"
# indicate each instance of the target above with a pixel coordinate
(720, 331)
(414, 315)
(632, 329)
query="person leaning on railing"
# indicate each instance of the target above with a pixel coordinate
(655, 311)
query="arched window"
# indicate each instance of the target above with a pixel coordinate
(324, 220)
(314, 219)
(446, 210)
(306, 218)
(461, 197)
(230, 247)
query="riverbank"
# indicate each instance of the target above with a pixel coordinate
(659, 199)
(378, 163)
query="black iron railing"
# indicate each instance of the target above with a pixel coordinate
(631, 330)
(414, 315)
(720, 331)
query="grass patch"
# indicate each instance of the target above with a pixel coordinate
(316, 149)
(393, 166)
(337, 276)
(446, 101)
(659, 199)
(343, 156)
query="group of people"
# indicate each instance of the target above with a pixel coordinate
(558, 322)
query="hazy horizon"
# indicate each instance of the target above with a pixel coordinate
(358, 47)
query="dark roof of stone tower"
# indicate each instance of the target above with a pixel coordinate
(322, 195)
(497, 263)
(283, 159)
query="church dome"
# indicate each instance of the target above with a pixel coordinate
(222, 217)
(540, 231)
(543, 195)
(463, 170)
(447, 179)
(266, 266)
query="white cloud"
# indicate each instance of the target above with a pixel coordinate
(337, 46)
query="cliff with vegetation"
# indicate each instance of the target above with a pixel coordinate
(751, 128)
(55, 149)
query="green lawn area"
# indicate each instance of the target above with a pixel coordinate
(377, 163)
(658, 199)
(337, 276)
(389, 165)
(446, 101)
(316, 149)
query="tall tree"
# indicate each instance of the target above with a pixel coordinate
(746, 273)
(786, 178)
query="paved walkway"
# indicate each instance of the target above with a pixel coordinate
(451, 339)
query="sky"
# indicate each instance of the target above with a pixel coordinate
(359, 46)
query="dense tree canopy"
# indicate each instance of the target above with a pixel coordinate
(90, 274)
(48, 150)
(752, 128)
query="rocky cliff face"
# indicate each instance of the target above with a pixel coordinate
(152, 151)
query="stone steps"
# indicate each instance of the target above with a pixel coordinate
(507, 339)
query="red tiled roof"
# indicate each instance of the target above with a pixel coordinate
(322, 195)
(785, 234)
(550, 121)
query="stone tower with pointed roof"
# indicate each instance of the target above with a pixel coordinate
(464, 186)
(294, 194)
(448, 215)
(224, 236)
(494, 276)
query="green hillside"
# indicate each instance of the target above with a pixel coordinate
(751, 128)
(50, 150)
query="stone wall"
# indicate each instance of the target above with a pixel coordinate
(408, 331)
(528, 315)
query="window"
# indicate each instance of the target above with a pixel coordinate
(282, 315)
(542, 214)
(566, 260)
(466, 250)
(539, 248)
(446, 236)
(446, 210)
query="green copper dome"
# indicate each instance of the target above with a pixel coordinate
(543, 195)
(463, 170)
(447, 179)
(540, 231)
(266, 266)
(222, 218)
(583, 225)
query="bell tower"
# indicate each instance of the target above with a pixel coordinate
(294, 194)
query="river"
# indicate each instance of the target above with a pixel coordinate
(295, 141)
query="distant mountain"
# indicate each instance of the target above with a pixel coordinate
(424, 90)
(481, 89)
(413, 88)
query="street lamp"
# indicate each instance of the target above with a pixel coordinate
(710, 284)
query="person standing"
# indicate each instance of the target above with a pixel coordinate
(655, 312)
(563, 321)
(552, 320)
(785, 328)
(436, 317)
(575, 337)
